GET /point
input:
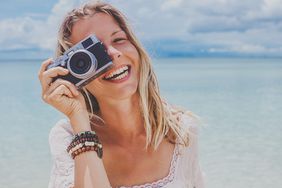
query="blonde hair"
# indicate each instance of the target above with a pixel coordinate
(160, 121)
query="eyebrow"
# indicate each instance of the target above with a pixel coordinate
(116, 32)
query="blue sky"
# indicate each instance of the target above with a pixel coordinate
(166, 27)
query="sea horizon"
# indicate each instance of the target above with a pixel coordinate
(238, 100)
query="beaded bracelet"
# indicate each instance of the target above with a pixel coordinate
(85, 141)
(84, 144)
(87, 147)
(78, 140)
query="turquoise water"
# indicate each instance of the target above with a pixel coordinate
(239, 100)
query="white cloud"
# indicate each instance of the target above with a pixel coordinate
(272, 8)
(33, 31)
(170, 4)
(250, 27)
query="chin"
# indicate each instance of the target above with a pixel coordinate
(125, 93)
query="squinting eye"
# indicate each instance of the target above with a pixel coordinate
(119, 40)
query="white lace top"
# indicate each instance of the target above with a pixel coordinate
(184, 170)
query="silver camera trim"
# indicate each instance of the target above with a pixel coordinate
(92, 69)
(97, 72)
(66, 56)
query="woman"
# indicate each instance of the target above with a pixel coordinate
(145, 142)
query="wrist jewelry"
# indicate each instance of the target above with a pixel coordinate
(83, 142)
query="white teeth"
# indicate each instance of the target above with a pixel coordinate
(118, 71)
(121, 76)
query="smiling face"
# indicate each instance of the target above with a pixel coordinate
(121, 81)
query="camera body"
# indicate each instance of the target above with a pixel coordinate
(85, 61)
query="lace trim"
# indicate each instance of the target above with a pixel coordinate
(164, 181)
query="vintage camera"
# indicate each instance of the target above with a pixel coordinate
(85, 61)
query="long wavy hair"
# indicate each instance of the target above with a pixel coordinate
(160, 121)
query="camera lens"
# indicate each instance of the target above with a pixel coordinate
(81, 64)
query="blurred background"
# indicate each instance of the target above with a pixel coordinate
(221, 59)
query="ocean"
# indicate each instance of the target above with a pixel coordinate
(239, 101)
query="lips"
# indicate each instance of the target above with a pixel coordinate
(118, 73)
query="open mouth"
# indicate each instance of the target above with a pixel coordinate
(118, 74)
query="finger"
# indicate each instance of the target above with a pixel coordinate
(68, 84)
(43, 67)
(54, 72)
(57, 95)
(63, 90)
(48, 75)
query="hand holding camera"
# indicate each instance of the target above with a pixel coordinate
(62, 78)
(61, 94)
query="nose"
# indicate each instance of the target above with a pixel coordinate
(113, 52)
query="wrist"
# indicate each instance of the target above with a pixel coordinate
(80, 122)
(83, 142)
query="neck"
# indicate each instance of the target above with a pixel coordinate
(123, 121)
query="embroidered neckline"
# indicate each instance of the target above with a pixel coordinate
(165, 180)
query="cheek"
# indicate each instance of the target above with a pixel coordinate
(94, 87)
(134, 56)
(130, 51)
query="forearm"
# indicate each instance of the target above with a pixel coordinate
(90, 171)
(89, 168)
